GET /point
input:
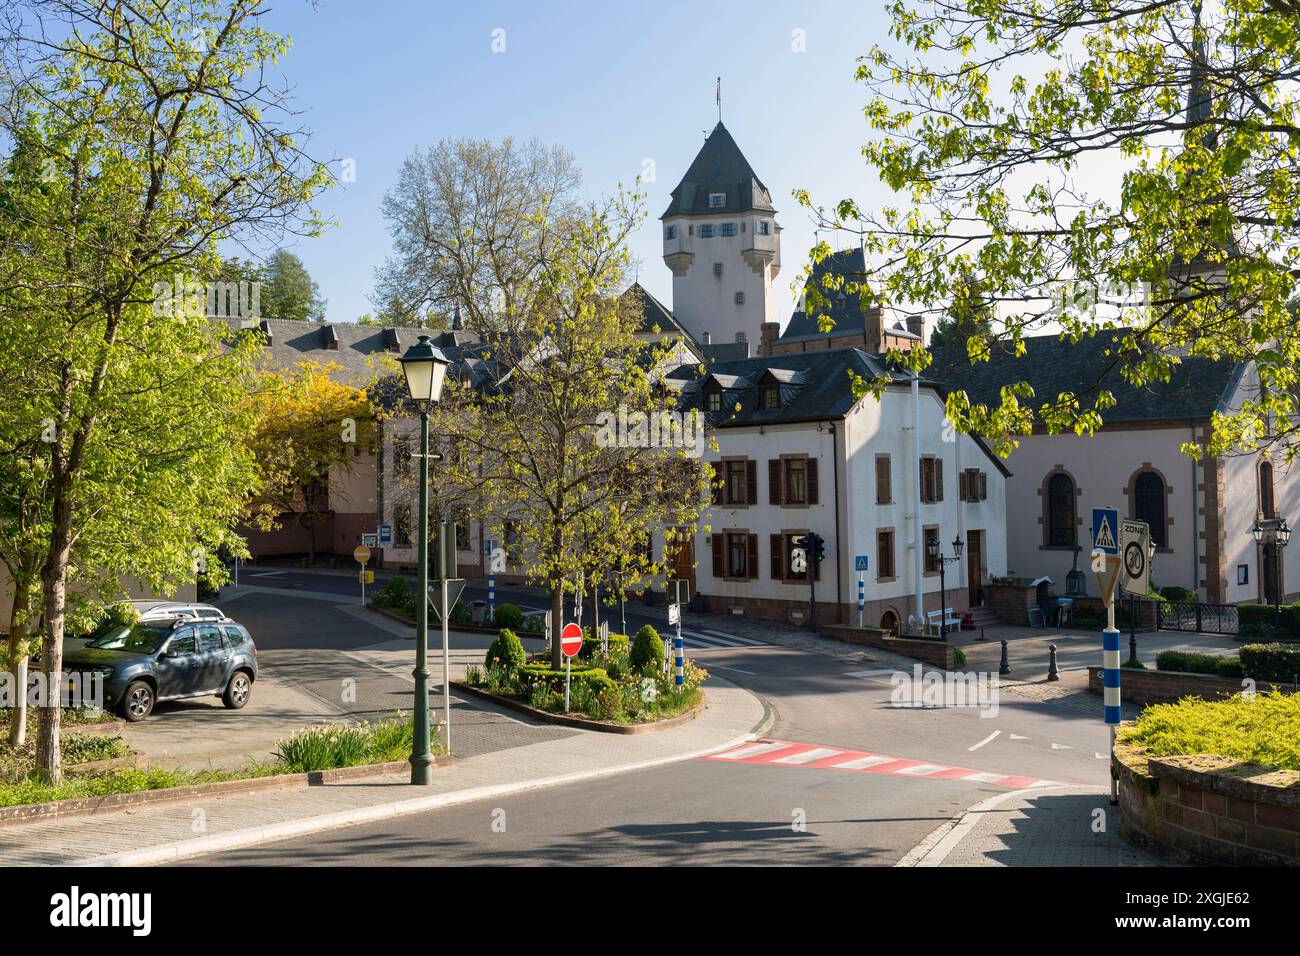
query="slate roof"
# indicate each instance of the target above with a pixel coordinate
(1051, 365)
(719, 167)
(655, 315)
(845, 308)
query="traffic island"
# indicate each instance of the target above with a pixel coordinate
(584, 723)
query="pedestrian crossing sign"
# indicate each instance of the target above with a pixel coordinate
(1105, 525)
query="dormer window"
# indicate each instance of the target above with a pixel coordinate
(713, 399)
(717, 200)
(770, 397)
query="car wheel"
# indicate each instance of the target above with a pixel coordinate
(137, 702)
(238, 691)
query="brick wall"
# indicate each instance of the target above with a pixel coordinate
(1160, 687)
(1011, 602)
(1204, 809)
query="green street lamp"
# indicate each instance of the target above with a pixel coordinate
(425, 368)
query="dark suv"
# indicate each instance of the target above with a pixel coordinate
(168, 659)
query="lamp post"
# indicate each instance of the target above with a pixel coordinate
(1274, 533)
(942, 560)
(425, 368)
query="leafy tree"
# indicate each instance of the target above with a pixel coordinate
(141, 138)
(969, 318)
(288, 291)
(1141, 151)
(528, 440)
(309, 424)
(471, 222)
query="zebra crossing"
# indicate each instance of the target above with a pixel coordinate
(785, 753)
(701, 639)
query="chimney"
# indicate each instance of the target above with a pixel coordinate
(873, 329)
(767, 336)
(916, 325)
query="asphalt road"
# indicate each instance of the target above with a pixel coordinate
(711, 811)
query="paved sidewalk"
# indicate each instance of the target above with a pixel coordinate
(170, 831)
(1059, 826)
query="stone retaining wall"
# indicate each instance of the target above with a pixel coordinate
(1148, 687)
(939, 653)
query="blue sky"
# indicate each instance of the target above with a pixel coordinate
(615, 84)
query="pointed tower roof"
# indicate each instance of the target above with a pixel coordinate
(719, 167)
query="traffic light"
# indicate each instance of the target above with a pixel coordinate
(816, 547)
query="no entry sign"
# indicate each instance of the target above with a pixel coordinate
(571, 640)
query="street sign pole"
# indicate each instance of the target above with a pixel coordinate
(862, 599)
(492, 582)
(1108, 565)
(446, 640)
(566, 685)
(362, 554)
(680, 654)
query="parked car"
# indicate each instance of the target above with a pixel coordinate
(168, 658)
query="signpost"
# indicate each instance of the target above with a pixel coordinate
(1134, 542)
(362, 554)
(1106, 564)
(860, 565)
(385, 535)
(570, 644)
(370, 540)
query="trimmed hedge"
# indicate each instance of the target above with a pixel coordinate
(506, 653)
(1177, 594)
(618, 643)
(1261, 620)
(541, 675)
(647, 650)
(1188, 662)
(508, 616)
(1272, 662)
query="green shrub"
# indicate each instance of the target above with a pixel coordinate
(347, 745)
(1263, 730)
(1177, 594)
(958, 657)
(1271, 662)
(1229, 667)
(591, 644)
(1187, 662)
(474, 676)
(460, 614)
(508, 616)
(506, 654)
(647, 651)
(531, 676)
(397, 594)
(1256, 620)
(1134, 665)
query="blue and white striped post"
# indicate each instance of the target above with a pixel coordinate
(862, 599)
(678, 645)
(1110, 693)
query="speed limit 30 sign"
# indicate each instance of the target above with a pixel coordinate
(1134, 548)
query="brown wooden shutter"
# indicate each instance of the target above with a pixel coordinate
(751, 482)
(719, 543)
(810, 477)
(753, 552)
(774, 481)
(778, 556)
(884, 491)
(984, 486)
(938, 479)
(925, 479)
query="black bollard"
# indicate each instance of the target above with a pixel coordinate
(1052, 672)
(1005, 667)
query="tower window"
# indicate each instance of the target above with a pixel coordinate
(670, 232)
(717, 270)
(706, 231)
(717, 200)
(727, 229)
(764, 227)
(740, 298)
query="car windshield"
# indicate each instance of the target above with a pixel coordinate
(138, 638)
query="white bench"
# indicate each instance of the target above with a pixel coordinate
(944, 618)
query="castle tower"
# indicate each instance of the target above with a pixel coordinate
(723, 245)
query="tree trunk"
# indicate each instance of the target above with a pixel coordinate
(54, 584)
(557, 623)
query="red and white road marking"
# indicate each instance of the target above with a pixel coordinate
(789, 754)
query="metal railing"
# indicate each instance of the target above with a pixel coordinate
(1197, 617)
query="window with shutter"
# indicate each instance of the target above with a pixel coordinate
(778, 557)
(796, 483)
(984, 486)
(737, 555)
(884, 491)
(774, 481)
(938, 479)
(751, 482)
(811, 479)
(719, 482)
(718, 566)
(884, 554)
(752, 565)
(963, 486)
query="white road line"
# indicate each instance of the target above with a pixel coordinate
(985, 740)
(1056, 746)
(723, 667)
(263, 574)
(862, 763)
(920, 770)
(984, 777)
(752, 751)
(868, 675)
(1018, 737)
(808, 756)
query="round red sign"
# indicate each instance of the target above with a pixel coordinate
(571, 640)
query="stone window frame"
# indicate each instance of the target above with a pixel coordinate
(893, 555)
(1045, 518)
(744, 534)
(927, 571)
(1130, 492)
(876, 476)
